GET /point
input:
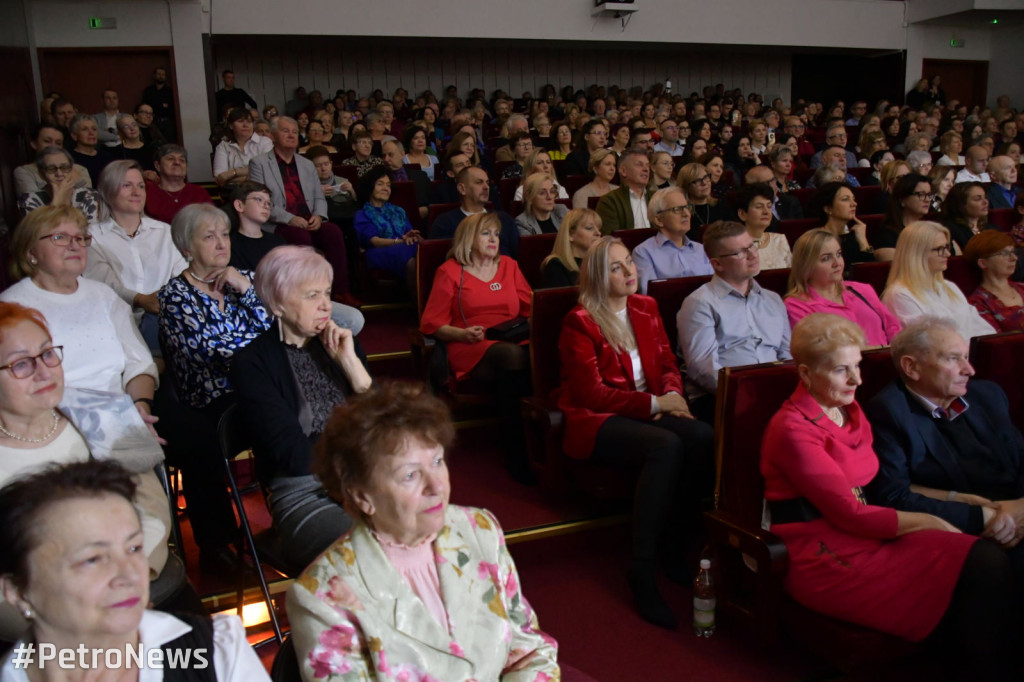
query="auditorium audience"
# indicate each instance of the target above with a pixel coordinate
(317, 136)
(906, 573)
(562, 144)
(299, 211)
(287, 381)
(82, 517)
(131, 145)
(999, 300)
(172, 193)
(731, 320)
(942, 179)
(662, 170)
(603, 167)
(249, 209)
(669, 253)
(836, 207)
(541, 214)
(363, 158)
(29, 178)
(780, 159)
(785, 206)
(474, 193)
(695, 181)
(625, 208)
(1002, 193)
(521, 145)
(816, 285)
(580, 228)
(975, 164)
(910, 201)
(621, 397)
(539, 162)
(62, 185)
(476, 289)
(595, 136)
(383, 456)
(754, 208)
(916, 286)
(951, 144)
(417, 151)
(84, 133)
(240, 146)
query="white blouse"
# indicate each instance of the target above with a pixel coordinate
(948, 302)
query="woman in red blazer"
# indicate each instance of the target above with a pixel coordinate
(622, 397)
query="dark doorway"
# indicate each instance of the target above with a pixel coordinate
(826, 78)
(82, 74)
(964, 80)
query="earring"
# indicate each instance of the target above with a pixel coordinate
(33, 261)
(27, 613)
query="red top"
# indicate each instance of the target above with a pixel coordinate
(598, 383)
(483, 303)
(1003, 317)
(163, 205)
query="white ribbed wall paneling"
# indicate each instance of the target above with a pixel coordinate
(270, 68)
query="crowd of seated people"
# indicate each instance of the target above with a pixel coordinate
(144, 266)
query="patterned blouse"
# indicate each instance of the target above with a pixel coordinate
(200, 338)
(1002, 317)
(363, 167)
(85, 199)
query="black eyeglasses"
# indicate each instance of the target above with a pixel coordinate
(742, 253)
(944, 250)
(924, 196)
(678, 210)
(26, 367)
(63, 168)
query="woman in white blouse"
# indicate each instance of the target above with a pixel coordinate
(132, 253)
(916, 286)
(754, 208)
(233, 154)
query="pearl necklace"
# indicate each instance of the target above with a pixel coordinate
(200, 279)
(48, 436)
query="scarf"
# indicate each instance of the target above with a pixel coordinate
(388, 219)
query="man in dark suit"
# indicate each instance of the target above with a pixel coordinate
(474, 190)
(1002, 193)
(625, 208)
(946, 445)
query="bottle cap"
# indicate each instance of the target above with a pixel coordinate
(705, 564)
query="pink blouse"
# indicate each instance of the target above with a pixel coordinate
(417, 565)
(877, 321)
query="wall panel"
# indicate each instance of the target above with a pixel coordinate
(271, 68)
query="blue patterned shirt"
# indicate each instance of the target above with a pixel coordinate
(200, 339)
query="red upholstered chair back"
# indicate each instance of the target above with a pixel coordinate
(872, 220)
(574, 183)
(550, 306)
(861, 174)
(350, 173)
(802, 175)
(532, 252)
(430, 254)
(874, 274)
(775, 280)
(507, 190)
(1004, 218)
(805, 196)
(1000, 358)
(794, 228)
(866, 195)
(592, 203)
(963, 274)
(404, 194)
(559, 167)
(633, 238)
(670, 294)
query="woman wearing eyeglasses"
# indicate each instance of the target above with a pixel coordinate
(102, 346)
(909, 202)
(999, 300)
(695, 181)
(57, 168)
(916, 286)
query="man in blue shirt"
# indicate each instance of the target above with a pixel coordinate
(1003, 172)
(731, 320)
(669, 253)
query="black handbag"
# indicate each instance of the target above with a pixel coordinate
(515, 330)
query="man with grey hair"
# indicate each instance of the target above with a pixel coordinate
(731, 320)
(375, 124)
(393, 152)
(945, 442)
(669, 253)
(835, 136)
(1002, 193)
(625, 208)
(514, 124)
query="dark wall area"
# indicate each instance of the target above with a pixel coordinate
(826, 78)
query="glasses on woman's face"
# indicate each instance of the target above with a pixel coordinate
(924, 196)
(26, 367)
(701, 181)
(64, 168)
(64, 239)
(1005, 253)
(944, 250)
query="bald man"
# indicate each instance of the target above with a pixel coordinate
(1003, 172)
(975, 165)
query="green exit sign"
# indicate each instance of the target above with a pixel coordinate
(102, 22)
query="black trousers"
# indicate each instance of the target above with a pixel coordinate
(676, 464)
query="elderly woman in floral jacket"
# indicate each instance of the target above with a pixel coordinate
(417, 589)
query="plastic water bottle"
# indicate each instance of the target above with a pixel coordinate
(704, 601)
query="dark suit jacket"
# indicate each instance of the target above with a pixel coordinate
(576, 161)
(269, 402)
(911, 450)
(615, 210)
(445, 225)
(789, 208)
(422, 183)
(997, 199)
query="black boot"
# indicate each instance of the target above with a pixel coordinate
(648, 599)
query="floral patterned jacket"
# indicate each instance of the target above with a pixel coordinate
(354, 617)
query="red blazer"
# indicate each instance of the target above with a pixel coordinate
(597, 382)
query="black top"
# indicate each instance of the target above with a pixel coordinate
(93, 164)
(246, 252)
(143, 155)
(161, 99)
(236, 97)
(851, 250)
(555, 274)
(883, 237)
(547, 226)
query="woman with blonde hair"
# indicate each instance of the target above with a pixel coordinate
(951, 144)
(580, 228)
(541, 213)
(539, 161)
(603, 166)
(916, 286)
(662, 168)
(475, 290)
(871, 141)
(816, 285)
(621, 395)
(695, 181)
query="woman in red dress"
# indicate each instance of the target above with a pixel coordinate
(622, 397)
(474, 290)
(895, 571)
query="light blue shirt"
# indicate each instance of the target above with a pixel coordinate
(659, 258)
(720, 327)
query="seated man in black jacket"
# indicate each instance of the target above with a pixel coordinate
(474, 192)
(945, 443)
